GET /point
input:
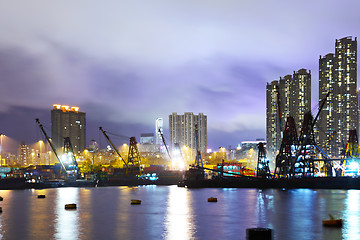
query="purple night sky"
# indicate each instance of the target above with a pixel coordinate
(125, 63)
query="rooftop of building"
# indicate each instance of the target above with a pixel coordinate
(65, 108)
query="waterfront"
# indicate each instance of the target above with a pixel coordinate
(170, 212)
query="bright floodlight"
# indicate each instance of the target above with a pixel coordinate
(353, 165)
(177, 160)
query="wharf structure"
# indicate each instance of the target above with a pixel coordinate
(290, 96)
(338, 76)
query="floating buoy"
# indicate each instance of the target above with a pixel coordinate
(332, 222)
(212, 199)
(1, 198)
(41, 196)
(135, 201)
(258, 233)
(70, 206)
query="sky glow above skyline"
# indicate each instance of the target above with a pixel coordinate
(127, 63)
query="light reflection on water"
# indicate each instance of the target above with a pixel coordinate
(67, 222)
(169, 212)
(179, 223)
(352, 213)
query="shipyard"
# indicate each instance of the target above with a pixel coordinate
(300, 162)
(179, 120)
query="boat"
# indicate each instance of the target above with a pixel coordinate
(212, 199)
(13, 183)
(70, 206)
(135, 202)
(332, 222)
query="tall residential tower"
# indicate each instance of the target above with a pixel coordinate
(68, 122)
(290, 96)
(338, 76)
(182, 130)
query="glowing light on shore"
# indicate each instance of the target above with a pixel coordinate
(177, 160)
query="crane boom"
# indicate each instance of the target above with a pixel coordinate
(107, 137)
(51, 145)
(163, 139)
(331, 137)
(323, 101)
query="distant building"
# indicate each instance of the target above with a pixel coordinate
(147, 144)
(159, 124)
(182, 130)
(244, 147)
(24, 155)
(147, 138)
(338, 76)
(290, 96)
(251, 144)
(68, 122)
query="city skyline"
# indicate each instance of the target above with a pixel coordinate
(131, 65)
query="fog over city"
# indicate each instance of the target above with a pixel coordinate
(127, 63)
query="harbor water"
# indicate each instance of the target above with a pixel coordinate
(171, 212)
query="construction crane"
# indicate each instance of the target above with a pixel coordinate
(70, 158)
(287, 152)
(51, 145)
(262, 168)
(134, 159)
(198, 159)
(304, 163)
(297, 154)
(111, 143)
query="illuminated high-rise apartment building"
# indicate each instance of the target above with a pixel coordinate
(68, 122)
(290, 96)
(273, 117)
(182, 130)
(300, 95)
(338, 77)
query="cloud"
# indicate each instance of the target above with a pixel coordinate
(128, 63)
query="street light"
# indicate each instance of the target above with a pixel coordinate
(93, 150)
(1, 137)
(40, 143)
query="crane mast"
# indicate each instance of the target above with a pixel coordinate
(198, 159)
(51, 145)
(134, 158)
(68, 149)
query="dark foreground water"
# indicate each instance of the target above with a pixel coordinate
(169, 212)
